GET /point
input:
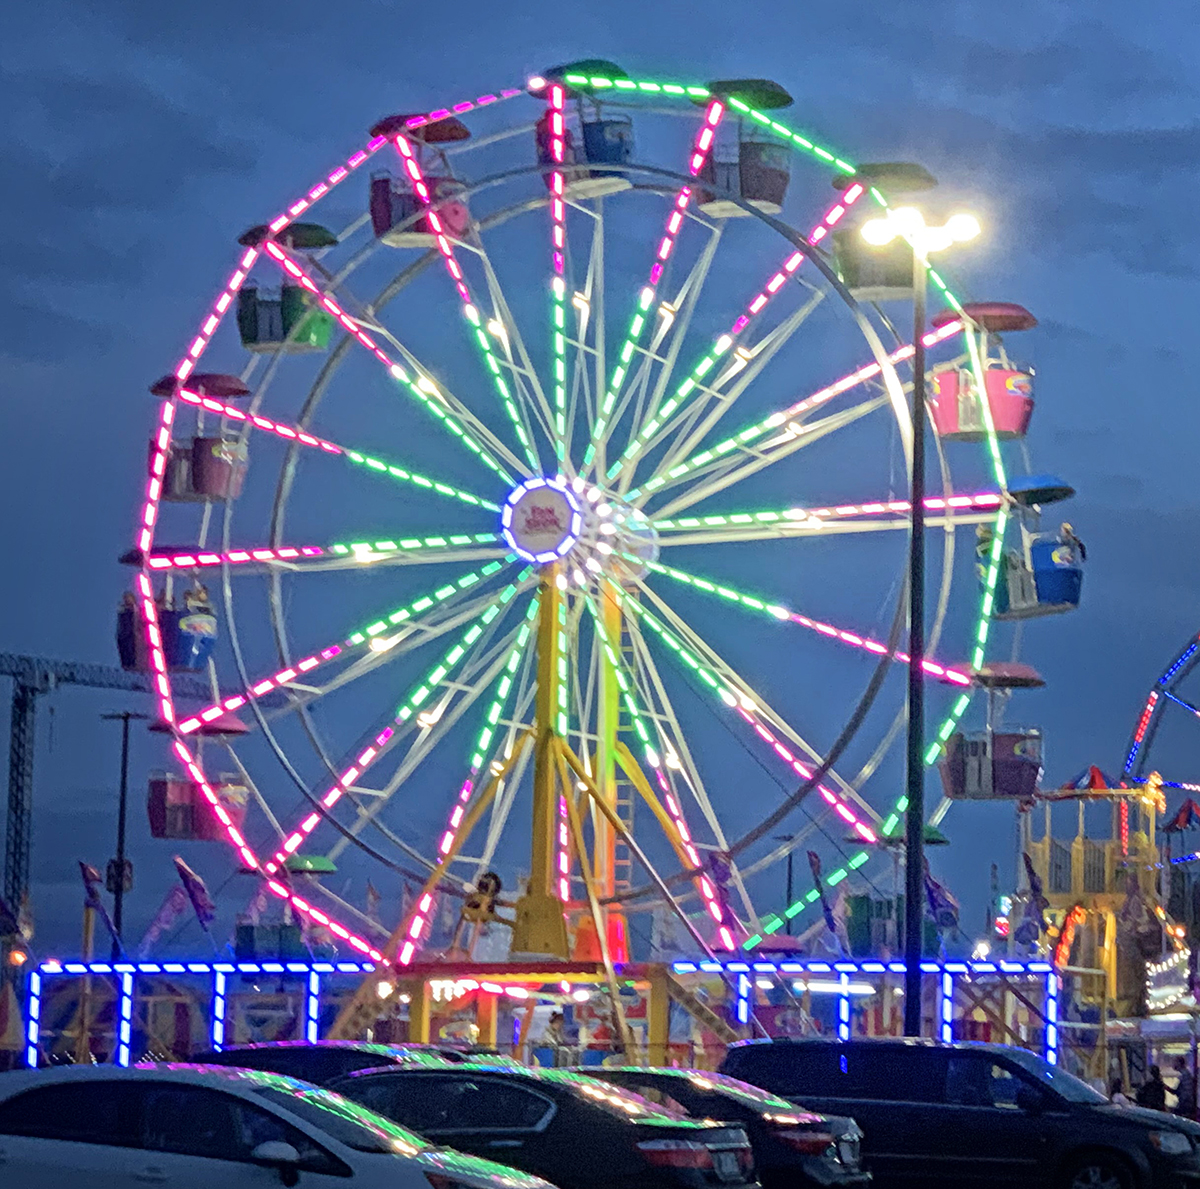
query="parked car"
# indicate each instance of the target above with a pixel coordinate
(953, 1115)
(563, 1126)
(792, 1148)
(196, 1127)
(323, 1060)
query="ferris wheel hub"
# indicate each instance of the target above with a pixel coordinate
(594, 532)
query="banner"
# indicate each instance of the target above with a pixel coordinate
(172, 908)
(197, 893)
(814, 862)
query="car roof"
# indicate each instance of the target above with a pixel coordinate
(562, 1079)
(224, 1076)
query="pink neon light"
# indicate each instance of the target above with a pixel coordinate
(984, 499)
(287, 432)
(564, 853)
(871, 370)
(188, 561)
(558, 212)
(839, 806)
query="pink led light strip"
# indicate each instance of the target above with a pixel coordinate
(804, 772)
(188, 561)
(564, 853)
(984, 499)
(432, 217)
(868, 372)
(708, 893)
(558, 236)
(793, 262)
(288, 432)
(701, 149)
(292, 843)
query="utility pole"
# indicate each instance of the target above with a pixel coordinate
(119, 871)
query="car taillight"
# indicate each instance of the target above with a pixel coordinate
(676, 1153)
(811, 1143)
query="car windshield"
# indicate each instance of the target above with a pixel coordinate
(617, 1101)
(338, 1117)
(1065, 1084)
(743, 1092)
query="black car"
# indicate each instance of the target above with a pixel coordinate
(791, 1147)
(943, 1115)
(570, 1129)
(323, 1060)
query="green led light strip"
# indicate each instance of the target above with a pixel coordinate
(448, 420)
(403, 614)
(707, 362)
(406, 476)
(506, 397)
(420, 695)
(503, 686)
(366, 548)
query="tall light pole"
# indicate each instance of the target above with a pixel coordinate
(117, 868)
(909, 223)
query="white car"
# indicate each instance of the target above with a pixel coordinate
(207, 1127)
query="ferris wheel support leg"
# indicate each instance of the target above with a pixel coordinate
(541, 925)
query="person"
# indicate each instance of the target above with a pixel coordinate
(1067, 533)
(1117, 1094)
(1153, 1092)
(1185, 1091)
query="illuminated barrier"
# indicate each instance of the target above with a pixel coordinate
(849, 980)
(309, 976)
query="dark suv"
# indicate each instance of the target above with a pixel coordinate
(974, 1115)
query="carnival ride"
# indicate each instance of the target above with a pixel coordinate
(596, 453)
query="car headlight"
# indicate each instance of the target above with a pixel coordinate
(1171, 1143)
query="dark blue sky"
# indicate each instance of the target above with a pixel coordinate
(141, 138)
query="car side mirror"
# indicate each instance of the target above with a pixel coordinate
(283, 1157)
(1030, 1100)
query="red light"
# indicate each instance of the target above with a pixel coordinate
(676, 1153)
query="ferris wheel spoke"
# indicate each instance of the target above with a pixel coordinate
(657, 358)
(452, 699)
(455, 416)
(341, 555)
(735, 692)
(809, 521)
(641, 441)
(642, 314)
(757, 458)
(785, 615)
(408, 712)
(298, 436)
(790, 419)
(745, 364)
(679, 836)
(685, 764)
(371, 635)
(786, 529)
(477, 332)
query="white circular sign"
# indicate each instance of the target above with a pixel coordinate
(541, 520)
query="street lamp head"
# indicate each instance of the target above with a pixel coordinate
(908, 222)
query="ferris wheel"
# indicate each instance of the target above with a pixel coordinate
(1168, 697)
(566, 451)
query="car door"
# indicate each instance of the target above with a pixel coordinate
(193, 1137)
(485, 1116)
(992, 1140)
(69, 1133)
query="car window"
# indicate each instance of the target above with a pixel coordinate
(192, 1120)
(437, 1104)
(1068, 1085)
(894, 1073)
(93, 1112)
(787, 1069)
(973, 1079)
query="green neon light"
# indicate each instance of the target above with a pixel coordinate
(365, 550)
(503, 688)
(448, 420)
(506, 396)
(401, 614)
(455, 653)
(406, 476)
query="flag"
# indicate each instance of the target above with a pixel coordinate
(373, 898)
(1187, 817)
(814, 862)
(92, 882)
(1033, 920)
(942, 905)
(256, 907)
(197, 893)
(169, 912)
